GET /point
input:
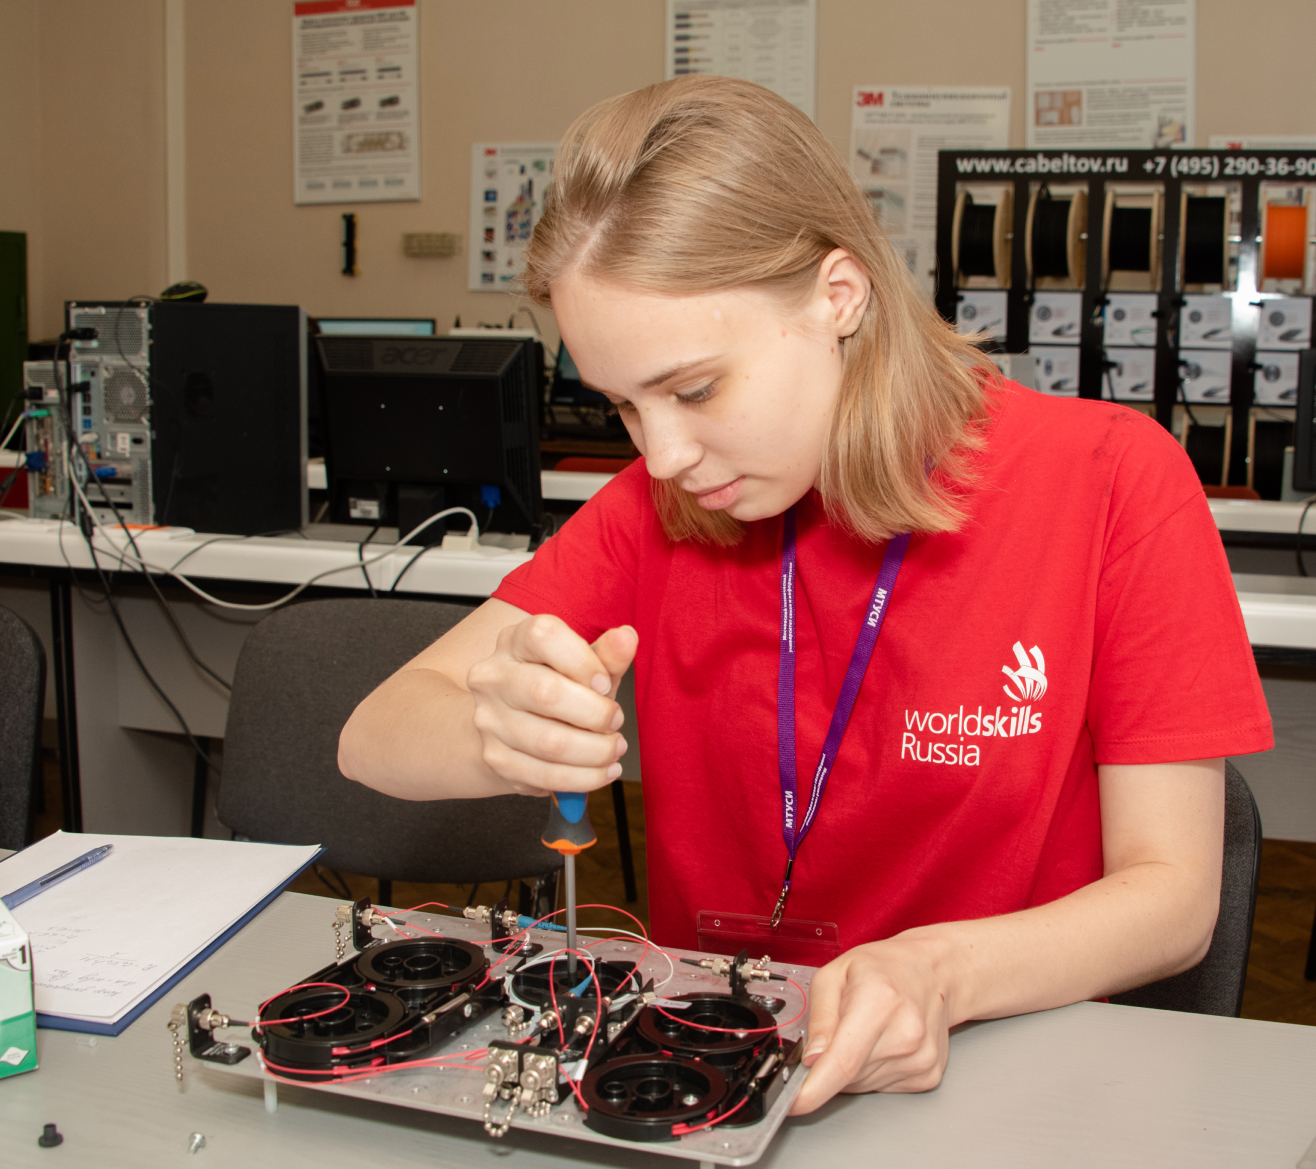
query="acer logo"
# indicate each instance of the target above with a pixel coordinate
(869, 97)
(415, 355)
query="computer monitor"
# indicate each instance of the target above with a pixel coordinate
(567, 389)
(375, 326)
(416, 425)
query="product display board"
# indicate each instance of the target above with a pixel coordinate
(895, 134)
(507, 197)
(356, 115)
(773, 43)
(1180, 279)
(1111, 73)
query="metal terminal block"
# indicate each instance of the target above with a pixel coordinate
(538, 1082)
(501, 1074)
(507, 918)
(514, 1018)
(211, 1019)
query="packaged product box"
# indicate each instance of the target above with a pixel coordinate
(18, 1021)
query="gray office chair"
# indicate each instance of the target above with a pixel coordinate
(299, 676)
(22, 703)
(1215, 985)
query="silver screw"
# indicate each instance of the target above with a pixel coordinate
(690, 1101)
(195, 1143)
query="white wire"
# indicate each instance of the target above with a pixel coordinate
(13, 430)
(671, 966)
(125, 557)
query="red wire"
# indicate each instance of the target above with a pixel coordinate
(347, 998)
(681, 1130)
(745, 1030)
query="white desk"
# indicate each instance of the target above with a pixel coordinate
(1088, 1085)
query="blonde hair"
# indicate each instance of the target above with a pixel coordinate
(705, 184)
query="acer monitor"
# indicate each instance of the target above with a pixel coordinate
(418, 424)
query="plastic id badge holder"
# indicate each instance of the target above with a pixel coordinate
(793, 940)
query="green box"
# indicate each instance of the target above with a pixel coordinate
(18, 1020)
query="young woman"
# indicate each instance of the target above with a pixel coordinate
(1025, 807)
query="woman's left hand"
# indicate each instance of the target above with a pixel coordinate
(879, 1021)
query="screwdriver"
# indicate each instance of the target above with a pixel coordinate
(569, 832)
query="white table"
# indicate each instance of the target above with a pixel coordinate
(1089, 1085)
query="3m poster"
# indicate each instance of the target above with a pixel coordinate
(771, 42)
(356, 116)
(507, 198)
(1111, 73)
(895, 133)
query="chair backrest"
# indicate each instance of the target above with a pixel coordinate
(301, 673)
(1215, 985)
(22, 703)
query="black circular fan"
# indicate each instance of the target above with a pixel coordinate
(640, 1098)
(307, 1044)
(715, 1027)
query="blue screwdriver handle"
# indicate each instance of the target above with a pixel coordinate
(568, 830)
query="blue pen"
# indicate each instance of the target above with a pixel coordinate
(27, 892)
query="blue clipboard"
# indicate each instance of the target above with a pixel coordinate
(63, 1023)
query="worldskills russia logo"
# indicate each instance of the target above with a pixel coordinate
(1030, 678)
(955, 736)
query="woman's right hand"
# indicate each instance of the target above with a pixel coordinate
(545, 706)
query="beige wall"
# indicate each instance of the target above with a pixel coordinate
(83, 159)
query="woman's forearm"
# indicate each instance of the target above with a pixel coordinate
(414, 738)
(1132, 927)
(1150, 916)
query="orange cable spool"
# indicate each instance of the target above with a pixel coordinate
(1285, 242)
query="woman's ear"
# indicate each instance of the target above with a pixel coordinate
(843, 283)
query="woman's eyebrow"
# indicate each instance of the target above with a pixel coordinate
(657, 380)
(675, 371)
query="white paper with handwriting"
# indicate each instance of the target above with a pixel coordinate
(106, 937)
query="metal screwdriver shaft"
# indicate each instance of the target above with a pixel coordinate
(570, 833)
(570, 867)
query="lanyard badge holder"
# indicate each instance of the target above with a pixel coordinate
(792, 939)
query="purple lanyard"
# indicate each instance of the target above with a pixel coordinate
(794, 827)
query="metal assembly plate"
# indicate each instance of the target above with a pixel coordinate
(457, 1092)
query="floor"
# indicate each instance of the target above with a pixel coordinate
(1276, 989)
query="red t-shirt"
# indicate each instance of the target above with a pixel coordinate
(1089, 565)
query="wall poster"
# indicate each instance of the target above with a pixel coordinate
(1111, 73)
(507, 198)
(895, 133)
(356, 117)
(771, 42)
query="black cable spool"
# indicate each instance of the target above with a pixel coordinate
(307, 1045)
(714, 1027)
(640, 1097)
(1129, 247)
(977, 255)
(1051, 237)
(415, 968)
(1205, 225)
(529, 984)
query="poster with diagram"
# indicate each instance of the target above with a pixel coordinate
(1111, 73)
(773, 43)
(356, 116)
(895, 134)
(508, 180)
